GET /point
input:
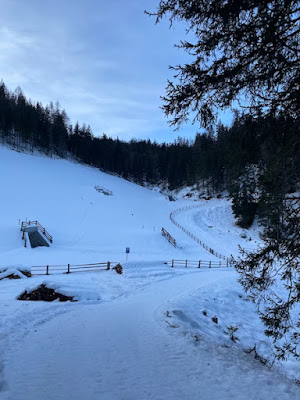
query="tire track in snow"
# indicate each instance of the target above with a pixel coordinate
(123, 350)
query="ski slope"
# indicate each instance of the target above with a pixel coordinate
(213, 223)
(86, 226)
(141, 335)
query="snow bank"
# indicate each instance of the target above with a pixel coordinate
(15, 272)
(221, 314)
(79, 293)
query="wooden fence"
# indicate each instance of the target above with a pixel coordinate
(168, 237)
(200, 264)
(101, 189)
(67, 269)
(191, 235)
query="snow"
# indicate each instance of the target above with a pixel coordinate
(140, 335)
(228, 303)
(212, 222)
(80, 291)
(13, 270)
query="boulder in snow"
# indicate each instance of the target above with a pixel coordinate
(118, 268)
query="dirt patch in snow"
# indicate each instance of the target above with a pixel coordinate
(44, 293)
(14, 273)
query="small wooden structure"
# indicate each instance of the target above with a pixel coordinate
(29, 226)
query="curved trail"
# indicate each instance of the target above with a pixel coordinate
(124, 350)
(213, 224)
(191, 235)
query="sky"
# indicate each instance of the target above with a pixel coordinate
(105, 62)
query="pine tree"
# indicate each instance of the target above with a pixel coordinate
(271, 276)
(249, 51)
(242, 50)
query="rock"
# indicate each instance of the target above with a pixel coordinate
(119, 269)
(215, 319)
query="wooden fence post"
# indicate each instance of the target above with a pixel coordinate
(210, 264)
(199, 264)
(108, 265)
(172, 263)
(68, 269)
(47, 270)
(185, 263)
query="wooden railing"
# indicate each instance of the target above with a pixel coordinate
(25, 239)
(191, 235)
(200, 264)
(40, 227)
(67, 269)
(168, 237)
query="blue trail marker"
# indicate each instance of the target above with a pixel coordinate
(127, 252)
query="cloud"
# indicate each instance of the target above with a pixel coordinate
(105, 62)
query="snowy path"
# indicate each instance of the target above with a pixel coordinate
(124, 350)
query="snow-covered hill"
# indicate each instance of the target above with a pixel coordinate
(89, 226)
(86, 225)
(148, 334)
